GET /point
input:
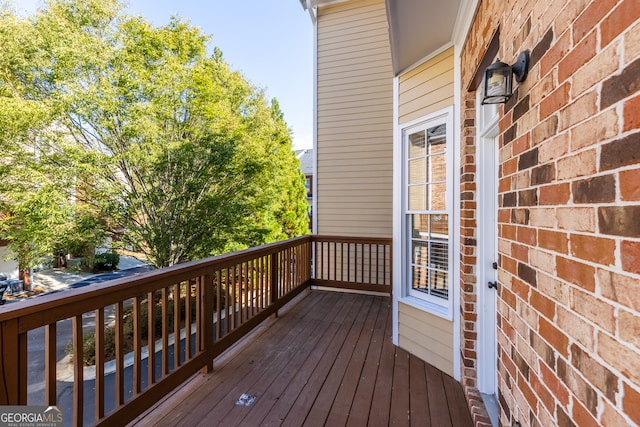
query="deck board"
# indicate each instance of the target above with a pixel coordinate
(361, 407)
(326, 360)
(381, 404)
(326, 397)
(399, 414)
(304, 376)
(281, 366)
(419, 415)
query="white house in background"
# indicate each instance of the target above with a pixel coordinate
(306, 166)
(8, 263)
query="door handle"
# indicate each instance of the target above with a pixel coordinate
(493, 285)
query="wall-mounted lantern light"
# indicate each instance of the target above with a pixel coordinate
(497, 79)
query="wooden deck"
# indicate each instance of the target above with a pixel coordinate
(327, 360)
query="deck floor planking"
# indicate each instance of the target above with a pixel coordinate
(326, 360)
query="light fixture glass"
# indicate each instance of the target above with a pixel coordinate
(497, 83)
(498, 79)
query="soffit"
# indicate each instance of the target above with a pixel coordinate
(315, 3)
(418, 28)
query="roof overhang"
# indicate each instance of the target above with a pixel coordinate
(419, 28)
(306, 4)
(311, 5)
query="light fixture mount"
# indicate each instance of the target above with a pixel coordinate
(521, 67)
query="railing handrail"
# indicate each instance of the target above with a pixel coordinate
(351, 239)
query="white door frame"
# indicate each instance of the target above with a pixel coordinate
(487, 245)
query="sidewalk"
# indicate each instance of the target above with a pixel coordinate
(55, 279)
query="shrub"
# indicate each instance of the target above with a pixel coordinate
(89, 346)
(106, 261)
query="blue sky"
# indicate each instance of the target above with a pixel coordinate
(268, 41)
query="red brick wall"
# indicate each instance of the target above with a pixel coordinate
(468, 243)
(569, 213)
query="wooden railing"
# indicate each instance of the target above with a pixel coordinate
(352, 263)
(162, 327)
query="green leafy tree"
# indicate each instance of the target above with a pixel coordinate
(142, 129)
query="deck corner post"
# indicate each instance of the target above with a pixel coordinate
(13, 367)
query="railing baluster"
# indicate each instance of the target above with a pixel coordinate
(244, 287)
(341, 261)
(207, 320)
(258, 284)
(119, 354)
(286, 266)
(274, 280)
(378, 264)
(99, 352)
(200, 344)
(247, 283)
(384, 265)
(264, 268)
(227, 302)
(176, 325)
(78, 371)
(165, 332)
(320, 265)
(334, 258)
(234, 300)
(322, 257)
(348, 262)
(282, 273)
(362, 255)
(218, 279)
(248, 294)
(254, 293)
(370, 261)
(137, 346)
(374, 265)
(187, 320)
(298, 265)
(50, 340)
(151, 338)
